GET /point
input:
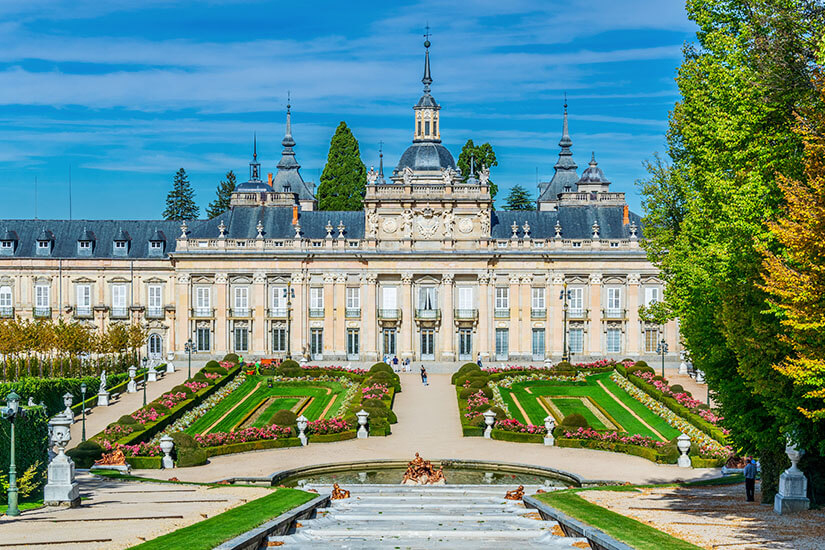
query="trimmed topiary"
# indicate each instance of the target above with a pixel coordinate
(641, 364)
(126, 419)
(184, 441)
(466, 392)
(289, 363)
(284, 417)
(659, 378)
(231, 358)
(183, 389)
(191, 457)
(564, 365)
(677, 388)
(464, 372)
(391, 418)
(482, 407)
(211, 363)
(85, 454)
(374, 403)
(381, 367)
(377, 412)
(477, 421)
(574, 421)
(500, 414)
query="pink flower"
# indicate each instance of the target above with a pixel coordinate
(242, 436)
(513, 425)
(195, 386)
(147, 415)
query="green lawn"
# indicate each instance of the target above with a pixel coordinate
(549, 389)
(289, 395)
(209, 533)
(627, 530)
(25, 505)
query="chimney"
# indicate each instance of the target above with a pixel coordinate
(269, 179)
(294, 214)
(626, 217)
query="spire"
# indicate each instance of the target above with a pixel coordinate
(564, 177)
(427, 80)
(254, 165)
(255, 146)
(288, 178)
(565, 142)
(381, 159)
(288, 134)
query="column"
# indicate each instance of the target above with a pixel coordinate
(329, 314)
(526, 325)
(557, 315)
(340, 315)
(182, 310)
(258, 328)
(515, 344)
(594, 342)
(483, 333)
(447, 336)
(407, 316)
(634, 331)
(368, 316)
(297, 338)
(221, 337)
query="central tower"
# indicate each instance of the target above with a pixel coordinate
(426, 110)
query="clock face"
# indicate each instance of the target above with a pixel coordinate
(465, 225)
(390, 225)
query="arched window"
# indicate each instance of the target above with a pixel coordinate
(155, 345)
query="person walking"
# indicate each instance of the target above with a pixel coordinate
(478, 361)
(750, 478)
(424, 376)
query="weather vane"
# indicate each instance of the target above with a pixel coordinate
(427, 35)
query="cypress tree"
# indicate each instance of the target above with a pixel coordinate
(180, 202)
(481, 155)
(344, 179)
(224, 193)
(519, 199)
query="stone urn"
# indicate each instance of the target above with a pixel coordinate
(549, 425)
(68, 400)
(700, 377)
(489, 420)
(61, 488)
(302, 422)
(166, 445)
(683, 444)
(362, 416)
(131, 387)
(151, 373)
(793, 485)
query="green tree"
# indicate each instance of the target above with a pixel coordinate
(478, 156)
(344, 179)
(707, 215)
(180, 202)
(519, 199)
(224, 194)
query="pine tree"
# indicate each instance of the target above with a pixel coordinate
(344, 179)
(519, 199)
(481, 155)
(224, 193)
(180, 202)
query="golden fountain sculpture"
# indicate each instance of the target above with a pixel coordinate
(421, 472)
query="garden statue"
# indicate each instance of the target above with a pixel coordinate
(302, 422)
(102, 393)
(102, 387)
(421, 472)
(683, 444)
(114, 458)
(166, 445)
(793, 485)
(515, 494)
(489, 419)
(338, 493)
(362, 416)
(31, 402)
(68, 400)
(549, 425)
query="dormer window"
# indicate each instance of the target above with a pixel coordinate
(8, 241)
(155, 245)
(7, 244)
(156, 242)
(43, 245)
(84, 245)
(120, 244)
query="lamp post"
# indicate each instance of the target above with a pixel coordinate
(188, 348)
(83, 408)
(11, 411)
(662, 350)
(565, 295)
(289, 295)
(145, 374)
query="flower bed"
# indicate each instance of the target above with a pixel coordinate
(614, 437)
(242, 436)
(326, 426)
(683, 398)
(144, 416)
(195, 386)
(513, 425)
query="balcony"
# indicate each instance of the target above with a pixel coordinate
(427, 314)
(389, 314)
(577, 313)
(613, 313)
(316, 313)
(202, 313)
(83, 312)
(277, 313)
(119, 313)
(6, 312)
(353, 313)
(240, 313)
(155, 312)
(502, 313)
(538, 313)
(42, 312)
(465, 314)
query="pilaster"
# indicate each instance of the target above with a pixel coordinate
(525, 309)
(369, 289)
(329, 314)
(298, 314)
(258, 344)
(182, 303)
(340, 324)
(221, 298)
(634, 331)
(594, 340)
(407, 316)
(515, 306)
(447, 336)
(483, 336)
(557, 298)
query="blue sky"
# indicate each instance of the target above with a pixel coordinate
(126, 92)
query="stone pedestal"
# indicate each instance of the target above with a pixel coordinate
(170, 367)
(683, 368)
(549, 440)
(103, 399)
(61, 488)
(793, 486)
(131, 387)
(700, 377)
(166, 445)
(549, 425)
(152, 375)
(489, 419)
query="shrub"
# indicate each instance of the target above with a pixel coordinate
(466, 392)
(482, 407)
(477, 383)
(391, 418)
(641, 364)
(85, 454)
(215, 370)
(464, 371)
(377, 412)
(290, 364)
(477, 421)
(188, 391)
(210, 364)
(290, 368)
(267, 371)
(500, 414)
(184, 441)
(377, 403)
(660, 378)
(191, 457)
(677, 388)
(126, 419)
(573, 421)
(158, 406)
(31, 440)
(380, 377)
(381, 367)
(565, 365)
(231, 358)
(284, 417)
(379, 426)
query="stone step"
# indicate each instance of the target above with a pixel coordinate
(388, 533)
(399, 515)
(440, 543)
(426, 522)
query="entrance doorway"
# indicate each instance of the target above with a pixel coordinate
(502, 344)
(389, 342)
(353, 344)
(316, 344)
(427, 344)
(465, 344)
(155, 346)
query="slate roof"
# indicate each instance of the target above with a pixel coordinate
(426, 155)
(576, 222)
(241, 223)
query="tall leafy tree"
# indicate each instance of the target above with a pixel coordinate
(708, 215)
(180, 202)
(224, 194)
(477, 156)
(519, 199)
(344, 179)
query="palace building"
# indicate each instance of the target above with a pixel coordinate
(429, 270)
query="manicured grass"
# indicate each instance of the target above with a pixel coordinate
(282, 403)
(627, 530)
(224, 405)
(26, 505)
(216, 530)
(628, 422)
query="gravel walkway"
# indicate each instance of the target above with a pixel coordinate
(716, 517)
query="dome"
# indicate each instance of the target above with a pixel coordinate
(426, 156)
(253, 186)
(593, 174)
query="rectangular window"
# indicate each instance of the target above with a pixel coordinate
(316, 343)
(465, 298)
(427, 298)
(316, 298)
(279, 340)
(155, 245)
(203, 300)
(5, 297)
(389, 296)
(651, 340)
(426, 127)
(651, 295)
(241, 300)
(118, 297)
(576, 301)
(577, 244)
(353, 297)
(85, 245)
(155, 296)
(41, 296)
(241, 339)
(575, 340)
(43, 244)
(278, 301)
(84, 296)
(614, 302)
(614, 340)
(502, 344)
(538, 297)
(7, 244)
(202, 336)
(614, 244)
(502, 297)
(538, 344)
(353, 344)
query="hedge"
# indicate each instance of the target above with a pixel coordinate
(467, 429)
(252, 446)
(518, 437)
(329, 438)
(31, 436)
(144, 462)
(471, 431)
(700, 462)
(636, 450)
